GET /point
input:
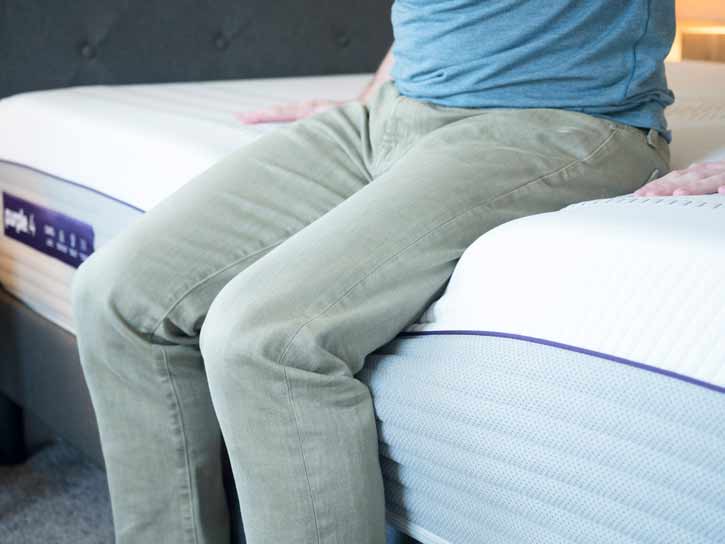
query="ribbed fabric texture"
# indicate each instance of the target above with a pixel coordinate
(499, 440)
(602, 57)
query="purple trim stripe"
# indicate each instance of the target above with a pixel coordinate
(550, 343)
(76, 184)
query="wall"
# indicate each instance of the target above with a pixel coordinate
(701, 9)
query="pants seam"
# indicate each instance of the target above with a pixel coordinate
(185, 446)
(487, 202)
(386, 142)
(290, 396)
(177, 300)
(614, 131)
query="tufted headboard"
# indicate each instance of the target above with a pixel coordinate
(48, 44)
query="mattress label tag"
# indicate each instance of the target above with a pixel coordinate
(48, 231)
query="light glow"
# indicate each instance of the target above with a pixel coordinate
(693, 27)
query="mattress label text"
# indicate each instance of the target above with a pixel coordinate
(48, 231)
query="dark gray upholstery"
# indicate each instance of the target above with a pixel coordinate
(47, 43)
(41, 372)
(12, 443)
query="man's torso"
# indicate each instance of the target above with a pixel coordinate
(601, 57)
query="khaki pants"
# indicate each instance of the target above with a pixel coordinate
(245, 304)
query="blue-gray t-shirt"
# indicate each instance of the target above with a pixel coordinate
(600, 57)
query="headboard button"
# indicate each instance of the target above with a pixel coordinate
(221, 42)
(88, 51)
(342, 40)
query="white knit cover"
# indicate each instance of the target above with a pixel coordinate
(638, 278)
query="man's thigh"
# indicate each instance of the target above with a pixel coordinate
(167, 267)
(356, 276)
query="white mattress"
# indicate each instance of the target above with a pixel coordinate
(104, 154)
(639, 280)
(139, 143)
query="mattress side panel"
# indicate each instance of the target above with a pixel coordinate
(499, 440)
(37, 279)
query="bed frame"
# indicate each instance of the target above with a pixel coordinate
(47, 45)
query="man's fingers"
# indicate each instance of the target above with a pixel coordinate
(277, 114)
(709, 167)
(654, 188)
(286, 112)
(682, 183)
(707, 185)
(260, 117)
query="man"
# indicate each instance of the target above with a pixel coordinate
(247, 301)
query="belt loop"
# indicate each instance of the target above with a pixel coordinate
(651, 135)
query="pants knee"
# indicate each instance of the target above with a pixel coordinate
(261, 333)
(97, 291)
(87, 289)
(221, 325)
(243, 329)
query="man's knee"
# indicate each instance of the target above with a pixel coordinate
(248, 330)
(248, 327)
(229, 326)
(90, 285)
(99, 289)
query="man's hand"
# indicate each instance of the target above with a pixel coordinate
(288, 112)
(699, 179)
(300, 110)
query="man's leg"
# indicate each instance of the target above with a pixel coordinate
(139, 303)
(284, 339)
